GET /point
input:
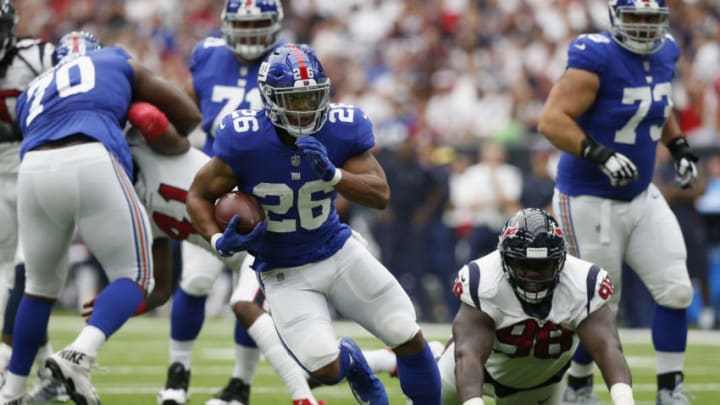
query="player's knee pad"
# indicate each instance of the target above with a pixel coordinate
(197, 284)
(676, 296)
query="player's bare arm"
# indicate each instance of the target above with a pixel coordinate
(190, 91)
(598, 333)
(364, 182)
(178, 106)
(214, 179)
(569, 98)
(474, 334)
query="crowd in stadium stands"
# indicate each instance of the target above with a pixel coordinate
(454, 89)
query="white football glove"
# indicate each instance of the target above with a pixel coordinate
(684, 160)
(618, 167)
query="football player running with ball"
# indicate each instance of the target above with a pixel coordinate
(223, 79)
(607, 113)
(295, 156)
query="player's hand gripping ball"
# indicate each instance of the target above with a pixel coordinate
(246, 207)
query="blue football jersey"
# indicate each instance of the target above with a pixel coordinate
(628, 114)
(303, 225)
(87, 95)
(222, 84)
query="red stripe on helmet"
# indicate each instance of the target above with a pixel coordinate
(301, 62)
(76, 42)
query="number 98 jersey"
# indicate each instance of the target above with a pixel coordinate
(529, 351)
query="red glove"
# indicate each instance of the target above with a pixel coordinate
(150, 121)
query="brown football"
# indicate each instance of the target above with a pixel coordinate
(244, 206)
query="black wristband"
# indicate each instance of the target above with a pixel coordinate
(594, 151)
(680, 148)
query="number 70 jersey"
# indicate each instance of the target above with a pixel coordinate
(529, 351)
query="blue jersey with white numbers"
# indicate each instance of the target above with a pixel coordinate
(86, 95)
(303, 226)
(222, 84)
(628, 114)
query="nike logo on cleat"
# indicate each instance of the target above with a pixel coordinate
(72, 356)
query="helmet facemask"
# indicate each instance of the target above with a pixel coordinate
(251, 31)
(639, 29)
(532, 249)
(300, 111)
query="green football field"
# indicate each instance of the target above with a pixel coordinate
(132, 365)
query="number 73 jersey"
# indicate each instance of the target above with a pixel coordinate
(529, 351)
(628, 114)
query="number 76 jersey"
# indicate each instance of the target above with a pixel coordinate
(529, 351)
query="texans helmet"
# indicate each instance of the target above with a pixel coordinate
(8, 21)
(532, 249)
(639, 25)
(294, 89)
(251, 27)
(74, 44)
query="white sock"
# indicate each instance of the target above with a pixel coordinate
(580, 370)
(89, 340)
(14, 384)
(267, 339)
(246, 362)
(667, 362)
(43, 353)
(381, 360)
(5, 353)
(181, 352)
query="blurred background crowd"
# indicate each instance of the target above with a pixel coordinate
(454, 89)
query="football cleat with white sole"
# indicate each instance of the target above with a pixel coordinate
(6, 399)
(72, 366)
(236, 392)
(365, 386)
(176, 386)
(47, 389)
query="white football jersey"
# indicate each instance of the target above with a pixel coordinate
(529, 351)
(32, 58)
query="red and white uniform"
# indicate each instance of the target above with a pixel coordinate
(529, 355)
(162, 184)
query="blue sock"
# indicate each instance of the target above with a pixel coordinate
(581, 355)
(242, 337)
(669, 329)
(420, 377)
(115, 305)
(187, 315)
(14, 296)
(30, 331)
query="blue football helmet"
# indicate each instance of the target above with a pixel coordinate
(74, 44)
(8, 21)
(294, 89)
(251, 27)
(639, 25)
(532, 249)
